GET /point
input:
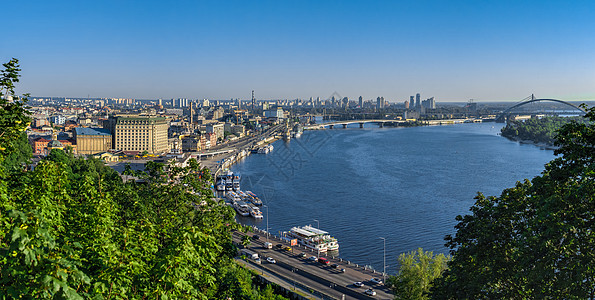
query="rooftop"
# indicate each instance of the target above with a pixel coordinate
(92, 131)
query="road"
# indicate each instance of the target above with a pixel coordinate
(243, 143)
(328, 280)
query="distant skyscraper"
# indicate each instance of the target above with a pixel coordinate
(361, 102)
(253, 100)
(417, 100)
(406, 103)
(411, 102)
(380, 103)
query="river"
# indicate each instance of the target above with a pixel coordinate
(404, 184)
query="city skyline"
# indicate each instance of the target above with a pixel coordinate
(501, 51)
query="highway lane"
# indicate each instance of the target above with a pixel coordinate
(318, 272)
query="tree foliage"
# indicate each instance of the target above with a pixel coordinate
(417, 271)
(538, 130)
(537, 239)
(72, 229)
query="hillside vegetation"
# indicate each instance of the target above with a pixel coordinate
(73, 229)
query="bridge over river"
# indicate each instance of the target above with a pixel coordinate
(381, 123)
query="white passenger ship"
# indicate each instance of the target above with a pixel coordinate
(314, 238)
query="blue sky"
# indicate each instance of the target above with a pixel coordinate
(452, 50)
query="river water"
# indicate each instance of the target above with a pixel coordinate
(404, 184)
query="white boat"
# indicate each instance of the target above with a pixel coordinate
(241, 208)
(265, 149)
(255, 212)
(313, 238)
(254, 199)
(220, 183)
(236, 182)
(229, 181)
(231, 196)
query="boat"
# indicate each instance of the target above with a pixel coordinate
(236, 182)
(265, 149)
(313, 238)
(229, 181)
(220, 183)
(233, 197)
(255, 211)
(254, 199)
(241, 208)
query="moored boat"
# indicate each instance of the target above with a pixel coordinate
(314, 238)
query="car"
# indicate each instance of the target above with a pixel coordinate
(302, 254)
(336, 266)
(342, 270)
(258, 261)
(376, 281)
(271, 260)
(358, 284)
(279, 246)
(370, 292)
(287, 248)
(323, 261)
(313, 258)
(255, 237)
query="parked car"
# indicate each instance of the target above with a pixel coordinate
(271, 260)
(370, 292)
(358, 284)
(376, 281)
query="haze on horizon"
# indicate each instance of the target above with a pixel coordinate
(488, 51)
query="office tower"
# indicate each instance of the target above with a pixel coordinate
(411, 102)
(361, 102)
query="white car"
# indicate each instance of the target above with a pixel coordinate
(358, 284)
(376, 281)
(370, 292)
(271, 260)
(313, 258)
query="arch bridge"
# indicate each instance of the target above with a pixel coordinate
(501, 118)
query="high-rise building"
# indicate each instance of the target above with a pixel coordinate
(361, 102)
(417, 100)
(411, 102)
(141, 133)
(380, 103)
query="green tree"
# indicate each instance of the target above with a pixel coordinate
(417, 271)
(537, 239)
(72, 229)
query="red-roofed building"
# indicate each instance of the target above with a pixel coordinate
(40, 145)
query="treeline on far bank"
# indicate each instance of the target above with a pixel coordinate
(538, 130)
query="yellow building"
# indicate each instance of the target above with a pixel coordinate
(92, 140)
(141, 134)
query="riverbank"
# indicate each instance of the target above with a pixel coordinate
(544, 146)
